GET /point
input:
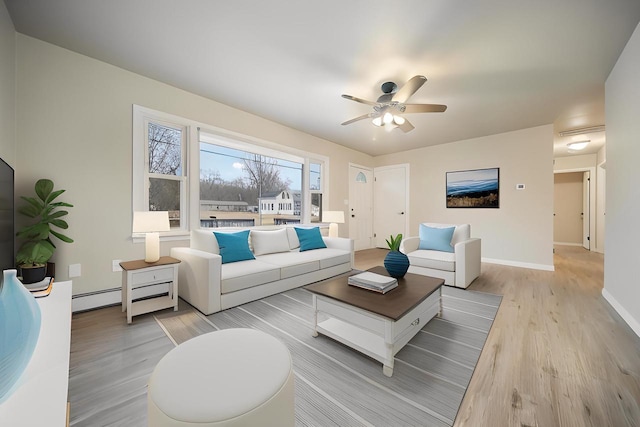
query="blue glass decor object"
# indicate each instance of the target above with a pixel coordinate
(19, 330)
(396, 263)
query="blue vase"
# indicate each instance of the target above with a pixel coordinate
(19, 331)
(396, 263)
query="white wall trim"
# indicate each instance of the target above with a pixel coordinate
(519, 264)
(567, 244)
(633, 323)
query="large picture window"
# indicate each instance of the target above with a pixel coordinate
(244, 188)
(216, 178)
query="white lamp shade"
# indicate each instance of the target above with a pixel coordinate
(144, 222)
(151, 223)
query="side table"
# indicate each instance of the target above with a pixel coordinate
(138, 273)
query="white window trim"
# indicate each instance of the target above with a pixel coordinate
(191, 164)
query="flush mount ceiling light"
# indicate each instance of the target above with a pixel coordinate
(578, 145)
(582, 131)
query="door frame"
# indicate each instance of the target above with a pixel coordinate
(407, 174)
(592, 201)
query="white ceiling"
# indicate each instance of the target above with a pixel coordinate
(499, 65)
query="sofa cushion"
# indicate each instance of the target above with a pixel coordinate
(234, 247)
(292, 263)
(437, 239)
(437, 260)
(246, 274)
(269, 241)
(310, 238)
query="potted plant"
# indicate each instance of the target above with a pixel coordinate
(396, 263)
(37, 248)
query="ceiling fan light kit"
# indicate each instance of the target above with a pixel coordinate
(389, 105)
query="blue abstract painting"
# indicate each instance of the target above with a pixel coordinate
(479, 188)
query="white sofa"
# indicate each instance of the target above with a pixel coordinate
(458, 268)
(210, 286)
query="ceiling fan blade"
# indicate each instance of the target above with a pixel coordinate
(360, 100)
(406, 126)
(362, 117)
(409, 88)
(424, 108)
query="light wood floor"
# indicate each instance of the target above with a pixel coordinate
(557, 354)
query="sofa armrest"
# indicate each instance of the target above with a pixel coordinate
(340, 243)
(199, 278)
(409, 244)
(467, 255)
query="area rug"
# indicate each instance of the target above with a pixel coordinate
(338, 386)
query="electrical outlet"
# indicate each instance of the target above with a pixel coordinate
(115, 265)
(75, 270)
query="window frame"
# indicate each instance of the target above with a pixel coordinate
(192, 136)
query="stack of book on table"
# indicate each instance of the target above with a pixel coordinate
(373, 282)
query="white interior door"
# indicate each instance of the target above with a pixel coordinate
(390, 202)
(361, 207)
(586, 210)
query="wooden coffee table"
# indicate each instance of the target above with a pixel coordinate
(375, 324)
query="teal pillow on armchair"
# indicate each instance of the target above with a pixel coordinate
(436, 239)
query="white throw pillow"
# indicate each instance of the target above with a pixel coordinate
(269, 241)
(294, 243)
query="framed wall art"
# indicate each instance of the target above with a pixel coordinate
(479, 188)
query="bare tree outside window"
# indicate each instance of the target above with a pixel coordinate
(165, 150)
(165, 159)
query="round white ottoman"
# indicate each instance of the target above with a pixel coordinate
(231, 378)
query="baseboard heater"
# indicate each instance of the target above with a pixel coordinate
(113, 296)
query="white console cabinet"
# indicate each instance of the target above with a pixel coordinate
(41, 398)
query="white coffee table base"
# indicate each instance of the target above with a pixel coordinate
(376, 336)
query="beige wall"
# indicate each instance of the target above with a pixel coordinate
(521, 231)
(622, 108)
(7, 87)
(74, 125)
(567, 206)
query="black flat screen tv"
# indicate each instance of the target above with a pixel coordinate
(7, 217)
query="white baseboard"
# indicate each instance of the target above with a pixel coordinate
(567, 244)
(113, 296)
(633, 323)
(519, 264)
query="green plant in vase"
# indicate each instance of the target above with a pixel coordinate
(37, 247)
(396, 263)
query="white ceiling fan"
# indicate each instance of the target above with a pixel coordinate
(392, 103)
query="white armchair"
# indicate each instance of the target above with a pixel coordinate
(458, 268)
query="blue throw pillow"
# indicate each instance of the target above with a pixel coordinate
(436, 239)
(234, 246)
(310, 238)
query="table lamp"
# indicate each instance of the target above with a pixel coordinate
(334, 218)
(151, 223)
